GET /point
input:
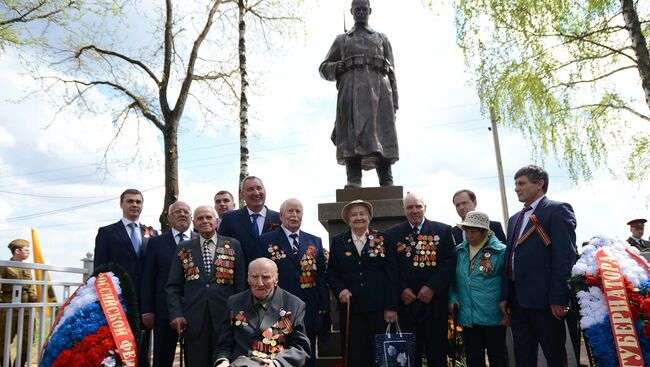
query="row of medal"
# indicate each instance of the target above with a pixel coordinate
(307, 272)
(225, 264)
(376, 245)
(424, 254)
(276, 252)
(189, 268)
(486, 267)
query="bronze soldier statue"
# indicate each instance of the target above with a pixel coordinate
(361, 63)
(19, 251)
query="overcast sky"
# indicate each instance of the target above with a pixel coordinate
(50, 180)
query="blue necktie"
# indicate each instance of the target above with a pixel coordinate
(181, 237)
(256, 229)
(294, 244)
(135, 237)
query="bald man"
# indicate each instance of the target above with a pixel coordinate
(259, 314)
(426, 259)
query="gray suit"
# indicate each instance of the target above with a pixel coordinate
(237, 339)
(199, 298)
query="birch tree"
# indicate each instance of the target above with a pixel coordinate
(572, 76)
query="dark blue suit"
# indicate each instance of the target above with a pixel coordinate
(429, 322)
(374, 286)
(315, 297)
(237, 224)
(154, 298)
(540, 280)
(113, 244)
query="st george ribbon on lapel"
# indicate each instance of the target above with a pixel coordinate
(207, 257)
(135, 238)
(256, 229)
(294, 243)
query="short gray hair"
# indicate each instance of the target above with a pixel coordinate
(248, 178)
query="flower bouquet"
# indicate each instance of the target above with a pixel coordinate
(96, 325)
(611, 284)
(456, 355)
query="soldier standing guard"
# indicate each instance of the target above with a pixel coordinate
(20, 252)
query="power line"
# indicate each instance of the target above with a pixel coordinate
(66, 209)
(50, 196)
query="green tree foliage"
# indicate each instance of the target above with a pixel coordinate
(16, 14)
(573, 76)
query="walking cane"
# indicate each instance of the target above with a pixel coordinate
(347, 334)
(181, 341)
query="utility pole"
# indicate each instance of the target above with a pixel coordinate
(502, 184)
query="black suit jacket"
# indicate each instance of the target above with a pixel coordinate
(289, 271)
(436, 277)
(237, 224)
(159, 256)
(371, 279)
(113, 244)
(494, 227)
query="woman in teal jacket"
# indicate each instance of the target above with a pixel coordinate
(476, 291)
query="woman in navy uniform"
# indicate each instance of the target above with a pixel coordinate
(362, 272)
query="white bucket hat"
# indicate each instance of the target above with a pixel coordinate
(346, 209)
(476, 220)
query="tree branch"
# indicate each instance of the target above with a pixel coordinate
(610, 105)
(585, 81)
(137, 102)
(25, 18)
(131, 61)
(187, 82)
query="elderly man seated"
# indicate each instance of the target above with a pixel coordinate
(264, 324)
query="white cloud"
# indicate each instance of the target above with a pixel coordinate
(444, 144)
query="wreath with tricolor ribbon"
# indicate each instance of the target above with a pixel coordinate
(97, 325)
(611, 283)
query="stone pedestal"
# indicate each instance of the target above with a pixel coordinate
(387, 205)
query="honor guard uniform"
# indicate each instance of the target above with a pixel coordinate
(636, 239)
(19, 251)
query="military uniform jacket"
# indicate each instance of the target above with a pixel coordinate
(641, 244)
(303, 274)
(29, 291)
(367, 96)
(243, 329)
(190, 290)
(371, 276)
(417, 268)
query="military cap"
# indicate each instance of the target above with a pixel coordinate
(636, 222)
(18, 243)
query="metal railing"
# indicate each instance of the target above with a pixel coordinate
(36, 310)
